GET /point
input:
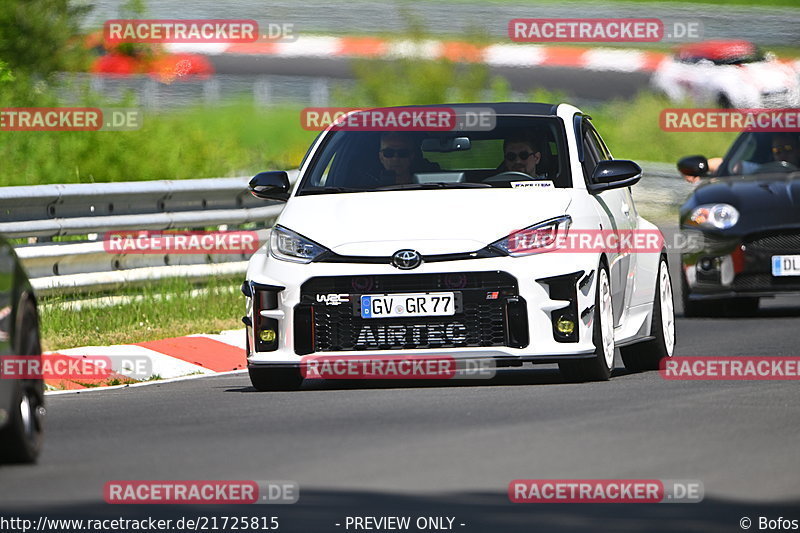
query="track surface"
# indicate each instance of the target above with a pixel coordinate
(430, 449)
(585, 85)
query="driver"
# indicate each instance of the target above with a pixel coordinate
(785, 148)
(401, 157)
(521, 154)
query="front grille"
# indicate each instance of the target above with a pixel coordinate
(775, 98)
(788, 242)
(480, 322)
(765, 282)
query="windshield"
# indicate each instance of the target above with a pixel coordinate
(519, 151)
(760, 152)
(729, 57)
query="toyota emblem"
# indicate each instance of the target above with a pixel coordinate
(406, 259)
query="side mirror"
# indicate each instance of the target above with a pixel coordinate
(614, 175)
(693, 165)
(272, 185)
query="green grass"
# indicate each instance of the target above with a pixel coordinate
(238, 140)
(196, 143)
(166, 309)
(631, 130)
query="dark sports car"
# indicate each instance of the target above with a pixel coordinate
(744, 221)
(21, 394)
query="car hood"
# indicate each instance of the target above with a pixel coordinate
(768, 75)
(771, 200)
(430, 221)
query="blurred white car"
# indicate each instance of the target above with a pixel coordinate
(729, 74)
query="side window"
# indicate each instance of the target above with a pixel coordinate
(590, 151)
(604, 152)
(594, 149)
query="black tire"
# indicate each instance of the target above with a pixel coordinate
(595, 368)
(275, 379)
(648, 355)
(724, 102)
(21, 438)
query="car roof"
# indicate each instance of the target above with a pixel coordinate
(500, 108)
(717, 50)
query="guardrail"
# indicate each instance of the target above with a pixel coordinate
(87, 211)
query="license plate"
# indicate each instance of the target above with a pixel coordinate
(786, 265)
(410, 305)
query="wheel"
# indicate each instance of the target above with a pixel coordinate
(21, 438)
(599, 367)
(648, 355)
(275, 379)
(724, 102)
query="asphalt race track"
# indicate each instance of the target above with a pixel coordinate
(585, 85)
(389, 449)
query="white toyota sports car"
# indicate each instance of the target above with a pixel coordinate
(515, 243)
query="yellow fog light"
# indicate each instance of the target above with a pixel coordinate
(267, 335)
(565, 326)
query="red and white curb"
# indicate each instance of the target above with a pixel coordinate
(497, 55)
(506, 54)
(169, 359)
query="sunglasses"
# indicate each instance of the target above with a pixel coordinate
(784, 148)
(392, 152)
(512, 156)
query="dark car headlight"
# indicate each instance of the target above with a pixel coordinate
(714, 216)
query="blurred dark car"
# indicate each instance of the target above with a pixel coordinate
(21, 394)
(744, 221)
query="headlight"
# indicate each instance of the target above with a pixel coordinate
(719, 216)
(287, 245)
(542, 237)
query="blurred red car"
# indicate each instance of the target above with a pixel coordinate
(126, 59)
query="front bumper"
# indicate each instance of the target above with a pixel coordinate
(729, 267)
(507, 310)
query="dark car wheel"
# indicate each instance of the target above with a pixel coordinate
(648, 355)
(21, 438)
(276, 379)
(599, 367)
